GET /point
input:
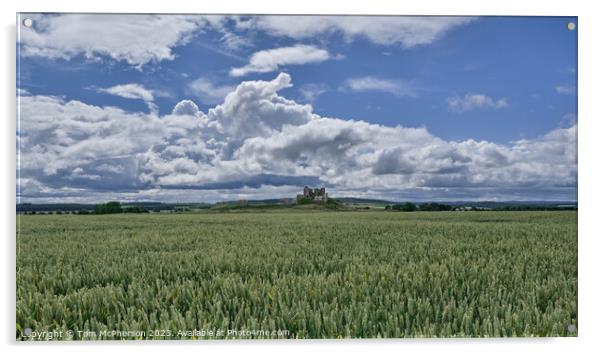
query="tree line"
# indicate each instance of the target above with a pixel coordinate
(117, 208)
(408, 207)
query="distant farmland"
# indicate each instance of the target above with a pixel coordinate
(299, 274)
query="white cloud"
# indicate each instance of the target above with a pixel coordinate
(208, 91)
(270, 144)
(203, 152)
(63, 135)
(407, 31)
(254, 108)
(135, 39)
(272, 59)
(185, 107)
(371, 83)
(132, 91)
(472, 101)
(360, 155)
(565, 89)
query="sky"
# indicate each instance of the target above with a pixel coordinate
(192, 108)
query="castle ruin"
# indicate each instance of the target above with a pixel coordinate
(314, 195)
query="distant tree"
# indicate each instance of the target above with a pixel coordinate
(108, 208)
(407, 206)
(305, 201)
(134, 209)
(434, 207)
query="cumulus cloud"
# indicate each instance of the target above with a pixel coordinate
(472, 101)
(185, 107)
(356, 154)
(133, 39)
(371, 83)
(259, 144)
(254, 108)
(65, 143)
(269, 60)
(208, 91)
(406, 31)
(202, 153)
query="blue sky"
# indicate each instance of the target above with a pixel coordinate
(471, 108)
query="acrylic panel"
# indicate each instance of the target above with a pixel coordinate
(295, 177)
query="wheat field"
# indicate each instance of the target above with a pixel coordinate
(297, 274)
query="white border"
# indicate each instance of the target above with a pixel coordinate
(589, 170)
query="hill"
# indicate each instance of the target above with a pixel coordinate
(331, 205)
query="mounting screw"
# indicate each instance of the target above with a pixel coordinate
(571, 26)
(571, 328)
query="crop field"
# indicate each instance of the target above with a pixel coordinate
(297, 274)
